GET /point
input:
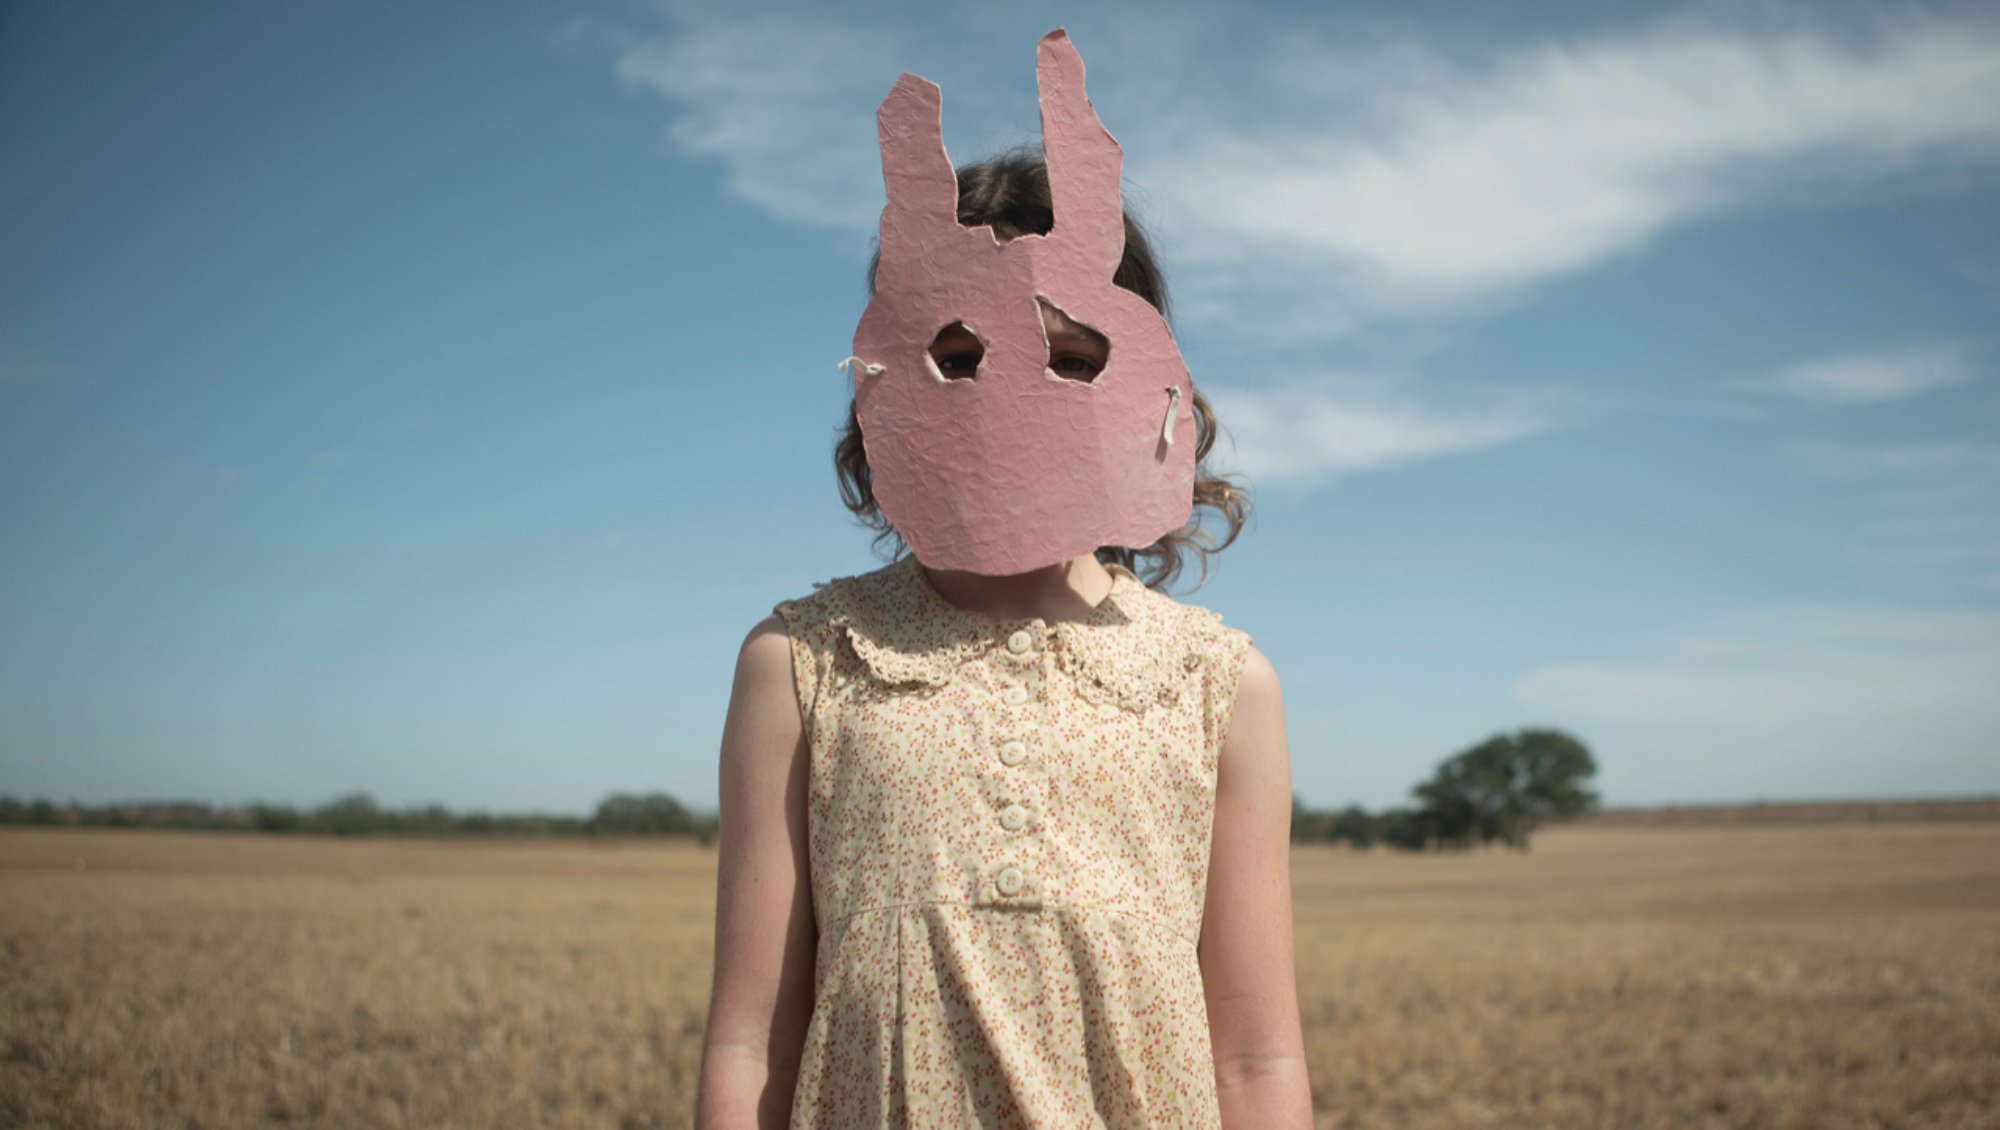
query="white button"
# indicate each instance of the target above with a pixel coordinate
(1009, 880)
(1012, 817)
(1013, 753)
(1020, 641)
(1014, 695)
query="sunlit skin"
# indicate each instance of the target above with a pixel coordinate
(1076, 352)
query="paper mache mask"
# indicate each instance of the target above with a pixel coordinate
(1016, 467)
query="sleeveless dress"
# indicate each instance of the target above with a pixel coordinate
(1009, 838)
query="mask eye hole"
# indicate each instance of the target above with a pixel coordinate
(956, 352)
(1077, 352)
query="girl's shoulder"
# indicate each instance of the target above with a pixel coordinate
(881, 616)
(1165, 650)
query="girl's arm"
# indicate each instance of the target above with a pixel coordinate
(765, 935)
(1246, 935)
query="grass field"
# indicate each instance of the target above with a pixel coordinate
(1798, 976)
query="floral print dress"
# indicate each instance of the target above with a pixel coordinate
(1009, 840)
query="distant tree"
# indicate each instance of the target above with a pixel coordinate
(1354, 826)
(1501, 789)
(114, 816)
(275, 818)
(358, 814)
(430, 820)
(1408, 828)
(642, 814)
(354, 814)
(1308, 826)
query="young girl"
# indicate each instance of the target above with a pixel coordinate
(1008, 847)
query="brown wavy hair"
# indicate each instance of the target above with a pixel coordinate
(1010, 193)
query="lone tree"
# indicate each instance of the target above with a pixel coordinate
(1501, 789)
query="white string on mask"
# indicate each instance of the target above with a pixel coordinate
(853, 363)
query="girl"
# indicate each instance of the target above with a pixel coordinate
(1006, 847)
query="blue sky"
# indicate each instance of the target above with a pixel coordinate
(427, 398)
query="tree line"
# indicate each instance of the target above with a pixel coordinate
(1500, 790)
(359, 814)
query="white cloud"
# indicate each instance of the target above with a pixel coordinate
(1783, 670)
(784, 102)
(1416, 184)
(1954, 460)
(1934, 504)
(1353, 422)
(1317, 184)
(1807, 700)
(1862, 378)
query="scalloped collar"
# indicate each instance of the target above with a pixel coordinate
(1133, 649)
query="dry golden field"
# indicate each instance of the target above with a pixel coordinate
(1804, 976)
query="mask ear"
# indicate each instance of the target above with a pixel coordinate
(1084, 161)
(916, 171)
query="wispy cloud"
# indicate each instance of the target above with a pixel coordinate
(1320, 184)
(783, 102)
(1864, 378)
(1309, 429)
(1790, 668)
(1812, 700)
(1935, 508)
(1417, 184)
(1851, 461)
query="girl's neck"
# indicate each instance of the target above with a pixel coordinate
(1067, 590)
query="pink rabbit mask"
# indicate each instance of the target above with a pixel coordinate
(1017, 467)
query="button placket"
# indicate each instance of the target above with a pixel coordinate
(1021, 667)
(1020, 663)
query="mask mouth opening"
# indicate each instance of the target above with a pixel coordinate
(955, 353)
(1078, 353)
